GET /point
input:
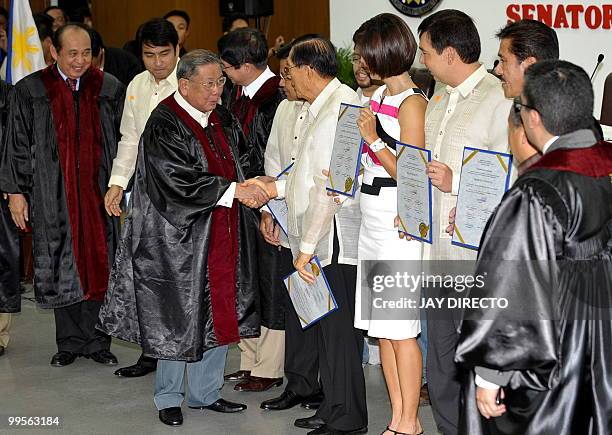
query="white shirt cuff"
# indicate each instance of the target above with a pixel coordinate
(228, 197)
(483, 383)
(280, 188)
(118, 180)
(455, 184)
(307, 248)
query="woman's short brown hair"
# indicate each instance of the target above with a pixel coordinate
(387, 45)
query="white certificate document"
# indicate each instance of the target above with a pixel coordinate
(485, 177)
(414, 195)
(311, 302)
(346, 153)
(278, 207)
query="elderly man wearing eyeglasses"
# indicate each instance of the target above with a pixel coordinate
(186, 283)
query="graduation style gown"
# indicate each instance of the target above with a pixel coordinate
(10, 297)
(59, 153)
(548, 250)
(256, 115)
(185, 278)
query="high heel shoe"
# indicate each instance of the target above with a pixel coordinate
(388, 429)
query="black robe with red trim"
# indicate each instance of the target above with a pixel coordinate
(10, 295)
(256, 115)
(59, 151)
(547, 249)
(185, 279)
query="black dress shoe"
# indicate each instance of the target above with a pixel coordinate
(286, 400)
(103, 357)
(326, 430)
(313, 422)
(240, 375)
(313, 401)
(1, 350)
(63, 358)
(137, 370)
(171, 416)
(223, 405)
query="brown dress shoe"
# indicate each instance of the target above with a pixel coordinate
(256, 384)
(240, 375)
(424, 396)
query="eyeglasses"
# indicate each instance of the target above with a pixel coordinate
(209, 85)
(223, 68)
(285, 75)
(518, 105)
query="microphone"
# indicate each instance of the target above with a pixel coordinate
(600, 59)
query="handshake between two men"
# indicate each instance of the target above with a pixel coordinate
(253, 193)
(256, 192)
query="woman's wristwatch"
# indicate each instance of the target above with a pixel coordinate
(377, 145)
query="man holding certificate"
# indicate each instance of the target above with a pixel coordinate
(318, 225)
(470, 111)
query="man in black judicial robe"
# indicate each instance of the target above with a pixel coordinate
(254, 99)
(62, 133)
(547, 249)
(10, 297)
(185, 283)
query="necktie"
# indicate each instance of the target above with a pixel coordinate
(72, 84)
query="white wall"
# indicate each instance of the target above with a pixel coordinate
(580, 46)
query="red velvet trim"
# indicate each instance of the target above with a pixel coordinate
(595, 161)
(80, 155)
(246, 108)
(223, 243)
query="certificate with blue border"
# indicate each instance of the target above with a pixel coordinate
(278, 207)
(485, 177)
(311, 302)
(346, 152)
(414, 192)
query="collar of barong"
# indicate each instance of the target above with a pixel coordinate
(267, 91)
(578, 152)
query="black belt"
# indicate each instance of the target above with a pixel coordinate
(377, 183)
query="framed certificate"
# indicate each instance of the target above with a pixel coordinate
(485, 177)
(278, 207)
(346, 153)
(311, 302)
(414, 192)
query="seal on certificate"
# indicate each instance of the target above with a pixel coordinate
(315, 269)
(423, 229)
(348, 184)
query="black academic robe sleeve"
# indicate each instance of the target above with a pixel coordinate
(518, 258)
(178, 183)
(16, 158)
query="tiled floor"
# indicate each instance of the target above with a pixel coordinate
(89, 399)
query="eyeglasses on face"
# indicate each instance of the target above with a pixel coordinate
(209, 85)
(285, 74)
(518, 106)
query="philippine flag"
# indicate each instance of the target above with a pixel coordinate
(25, 54)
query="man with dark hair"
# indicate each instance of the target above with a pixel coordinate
(521, 44)
(234, 22)
(66, 119)
(159, 42)
(547, 249)
(185, 285)
(10, 295)
(60, 17)
(254, 100)
(44, 26)
(470, 111)
(181, 21)
(313, 222)
(115, 61)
